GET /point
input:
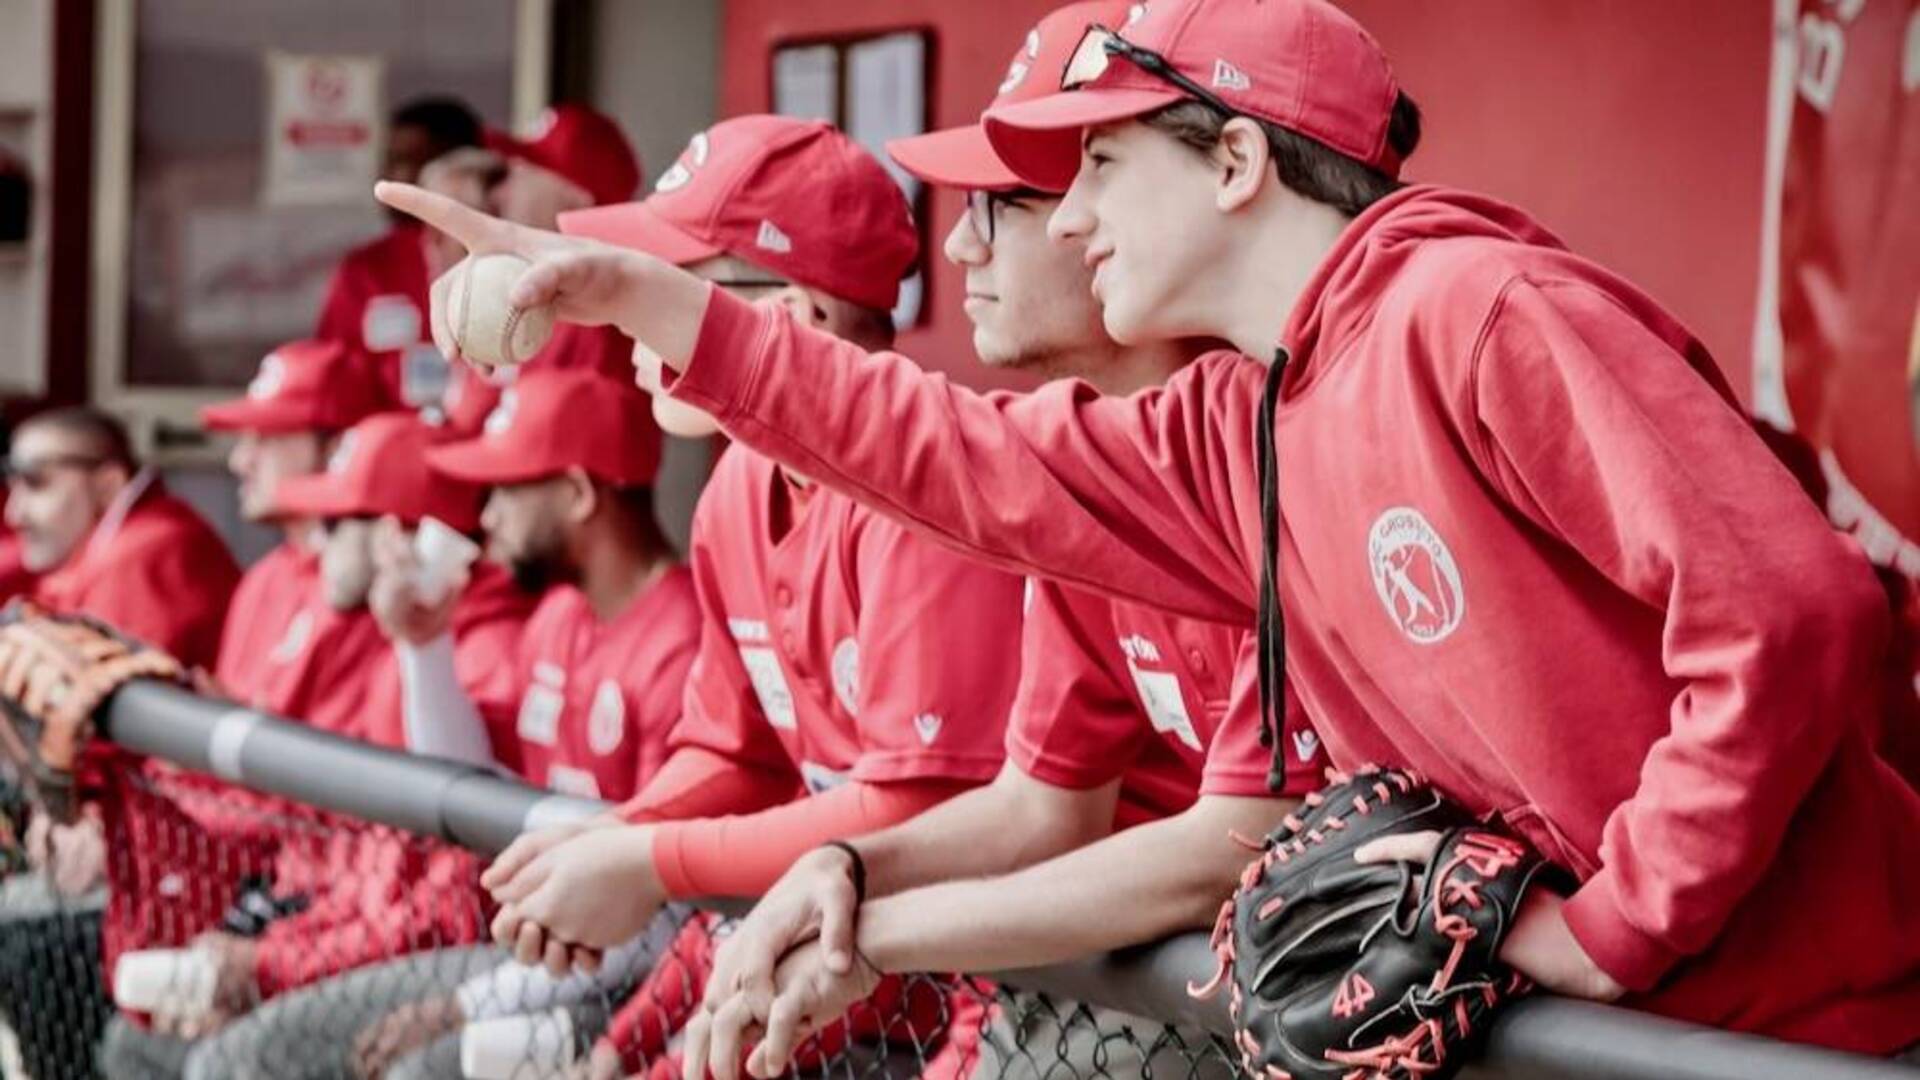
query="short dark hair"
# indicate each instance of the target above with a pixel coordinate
(446, 120)
(1306, 166)
(105, 436)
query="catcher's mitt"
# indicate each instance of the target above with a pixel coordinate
(1339, 970)
(55, 672)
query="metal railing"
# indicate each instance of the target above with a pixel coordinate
(1099, 1001)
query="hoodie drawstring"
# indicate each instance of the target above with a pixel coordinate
(1271, 625)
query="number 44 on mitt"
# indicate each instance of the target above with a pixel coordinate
(1340, 970)
(55, 673)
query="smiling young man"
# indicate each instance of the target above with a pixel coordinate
(1127, 718)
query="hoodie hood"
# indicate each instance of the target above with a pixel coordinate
(1370, 255)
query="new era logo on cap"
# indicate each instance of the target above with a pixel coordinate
(1228, 77)
(342, 458)
(681, 174)
(268, 381)
(501, 418)
(772, 239)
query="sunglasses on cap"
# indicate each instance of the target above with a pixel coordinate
(1097, 49)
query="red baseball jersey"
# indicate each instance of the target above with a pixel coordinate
(837, 644)
(1170, 705)
(15, 578)
(593, 702)
(159, 573)
(286, 652)
(488, 623)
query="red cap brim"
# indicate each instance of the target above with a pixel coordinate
(636, 225)
(246, 414)
(486, 462)
(955, 158)
(1039, 140)
(315, 495)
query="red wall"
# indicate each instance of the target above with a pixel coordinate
(1634, 128)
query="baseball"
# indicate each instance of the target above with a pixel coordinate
(470, 306)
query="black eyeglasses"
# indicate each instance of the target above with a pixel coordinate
(1099, 46)
(731, 284)
(983, 208)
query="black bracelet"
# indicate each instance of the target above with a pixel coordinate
(859, 868)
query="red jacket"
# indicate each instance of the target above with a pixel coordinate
(1528, 548)
(159, 573)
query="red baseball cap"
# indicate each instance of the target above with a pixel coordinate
(379, 467)
(1304, 65)
(582, 145)
(551, 420)
(962, 157)
(305, 386)
(795, 196)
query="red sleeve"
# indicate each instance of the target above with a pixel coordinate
(1075, 723)
(1237, 764)
(938, 659)
(486, 662)
(745, 855)
(721, 712)
(1149, 498)
(696, 782)
(1605, 438)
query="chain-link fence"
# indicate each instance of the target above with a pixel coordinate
(187, 926)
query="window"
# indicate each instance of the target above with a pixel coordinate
(211, 247)
(875, 89)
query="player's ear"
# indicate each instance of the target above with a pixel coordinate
(582, 497)
(1243, 158)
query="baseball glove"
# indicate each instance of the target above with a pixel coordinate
(1338, 970)
(55, 672)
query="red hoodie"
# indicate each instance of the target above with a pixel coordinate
(156, 571)
(1527, 547)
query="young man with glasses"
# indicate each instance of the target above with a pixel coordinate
(1511, 515)
(1133, 749)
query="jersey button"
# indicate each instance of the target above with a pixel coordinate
(1199, 661)
(783, 596)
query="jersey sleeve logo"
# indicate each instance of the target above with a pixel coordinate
(607, 720)
(927, 725)
(1415, 575)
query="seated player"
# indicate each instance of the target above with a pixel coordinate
(840, 652)
(110, 541)
(583, 704)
